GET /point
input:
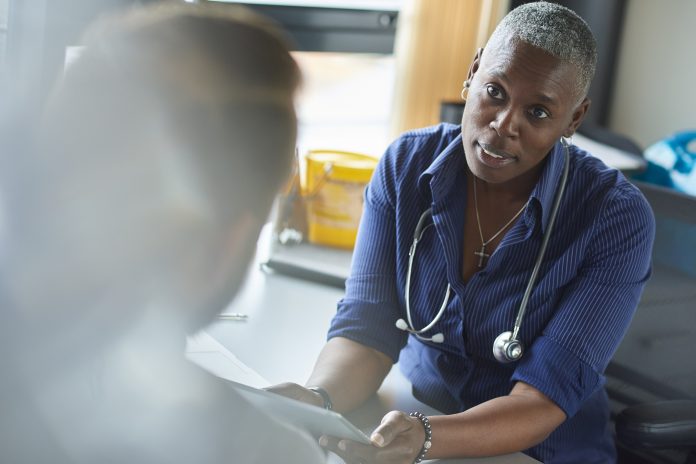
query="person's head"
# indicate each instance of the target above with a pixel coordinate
(527, 88)
(159, 157)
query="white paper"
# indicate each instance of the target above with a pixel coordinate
(211, 355)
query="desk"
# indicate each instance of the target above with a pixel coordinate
(286, 328)
(619, 159)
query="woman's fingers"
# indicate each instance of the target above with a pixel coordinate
(351, 452)
(394, 424)
(397, 440)
(297, 392)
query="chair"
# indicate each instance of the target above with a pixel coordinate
(651, 380)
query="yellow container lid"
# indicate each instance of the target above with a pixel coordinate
(344, 165)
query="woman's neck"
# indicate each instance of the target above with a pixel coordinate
(514, 191)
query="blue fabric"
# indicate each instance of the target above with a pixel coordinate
(596, 264)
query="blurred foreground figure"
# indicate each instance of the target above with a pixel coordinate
(131, 223)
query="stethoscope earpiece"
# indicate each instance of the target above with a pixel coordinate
(401, 324)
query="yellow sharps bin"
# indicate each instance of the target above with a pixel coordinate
(333, 191)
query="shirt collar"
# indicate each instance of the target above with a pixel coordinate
(545, 190)
(442, 172)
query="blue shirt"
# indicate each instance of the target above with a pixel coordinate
(595, 267)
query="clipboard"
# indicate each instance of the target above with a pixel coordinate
(324, 265)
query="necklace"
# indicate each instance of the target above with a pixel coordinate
(482, 252)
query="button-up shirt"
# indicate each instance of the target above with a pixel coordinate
(596, 264)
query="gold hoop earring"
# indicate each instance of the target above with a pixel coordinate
(465, 89)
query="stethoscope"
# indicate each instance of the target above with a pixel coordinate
(506, 347)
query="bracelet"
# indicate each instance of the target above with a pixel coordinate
(428, 435)
(324, 396)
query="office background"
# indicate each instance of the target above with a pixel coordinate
(652, 96)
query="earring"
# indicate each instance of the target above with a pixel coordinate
(465, 89)
(567, 141)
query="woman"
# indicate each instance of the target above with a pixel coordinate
(490, 187)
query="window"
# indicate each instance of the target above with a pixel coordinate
(346, 101)
(345, 50)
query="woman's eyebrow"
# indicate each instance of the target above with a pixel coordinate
(541, 97)
(544, 98)
(498, 73)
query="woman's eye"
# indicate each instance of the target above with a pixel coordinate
(539, 113)
(494, 92)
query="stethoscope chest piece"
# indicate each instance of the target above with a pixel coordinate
(507, 350)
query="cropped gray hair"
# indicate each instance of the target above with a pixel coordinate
(558, 31)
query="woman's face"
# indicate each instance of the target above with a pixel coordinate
(521, 101)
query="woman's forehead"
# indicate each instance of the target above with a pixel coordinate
(529, 68)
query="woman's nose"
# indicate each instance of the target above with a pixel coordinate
(505, 123)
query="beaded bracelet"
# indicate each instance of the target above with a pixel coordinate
(428, 435)
(324, 396)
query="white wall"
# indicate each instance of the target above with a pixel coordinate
(655, 88)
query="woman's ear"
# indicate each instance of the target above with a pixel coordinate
(473, 67)
(578, 115)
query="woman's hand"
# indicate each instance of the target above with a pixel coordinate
(297, 392)
(398, 440)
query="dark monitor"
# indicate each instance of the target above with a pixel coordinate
(324, 29)
(39, 31)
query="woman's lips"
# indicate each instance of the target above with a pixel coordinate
(492, 157)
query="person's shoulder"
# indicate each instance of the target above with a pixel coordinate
(598, 178)
(287, 444)
(607, 189)
(588, 164)
(416, 149)
(230, 427)
(434, 138)
(205, 418)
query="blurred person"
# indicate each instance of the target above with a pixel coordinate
(508, 216)
(130, 223)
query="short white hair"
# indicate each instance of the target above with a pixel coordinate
(558, 31)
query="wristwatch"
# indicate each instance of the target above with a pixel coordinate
(324, 396)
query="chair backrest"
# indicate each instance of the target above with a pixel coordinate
(655, 361)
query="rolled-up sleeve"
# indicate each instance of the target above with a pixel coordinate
(369, 310)
(567, 362)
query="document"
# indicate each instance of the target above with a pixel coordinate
(211, 355)
(317, 421)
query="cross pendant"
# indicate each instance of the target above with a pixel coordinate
(482, 255)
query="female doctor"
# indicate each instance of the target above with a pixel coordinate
(498, 263)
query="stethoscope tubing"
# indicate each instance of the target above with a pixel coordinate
(544, 243)
(418, 233)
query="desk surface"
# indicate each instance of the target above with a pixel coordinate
(286, 328)
(611, 156)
